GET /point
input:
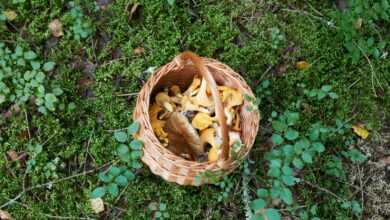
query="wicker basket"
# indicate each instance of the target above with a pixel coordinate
(180, 72)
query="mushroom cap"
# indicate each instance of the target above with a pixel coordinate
(202, 121)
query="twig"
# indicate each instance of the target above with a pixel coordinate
(354, 83)
(50, 183)
(28, 127)
(373, 74)
(126, 94)
(324, 190)
(327, 22)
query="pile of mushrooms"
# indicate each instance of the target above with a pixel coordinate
(185, 122)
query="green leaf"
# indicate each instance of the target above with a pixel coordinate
(288, 180)
(301, 145)
(291, 134)
(136, 165)
(298, 163)
(287, 170)
(356, 209)
(121, 180)
(288, 150)
(333, 95)
(321, 94)
(257, 204)
(272, 214)
(163, 206)
(277, 139)
(136, 154)
(279, 126)
(120, 136)
(30, 55)
(326, 88)
(314, 134)
(171, 2)
(98, 192)
(133, 128)
(274, 172)
(103, 177)
(35, 65)
(262, 193)
(355, 156)
(318, 146)
(122, 149)
(306, 156)
(113, 189)
(48, 66)
(129, 175)
(257, 217)
(136, 144)
(114, 171)
(286, 196)
(57, 91)
(292, 118)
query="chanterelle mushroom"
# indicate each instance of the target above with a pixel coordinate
(187, 105)
(202, 121)
(231, 97)
(157, 124)
(202, 98)
(175, 89)
(207, 136)
(179, 128)
(193, 87)
(163, 100)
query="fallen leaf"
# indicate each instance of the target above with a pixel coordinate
(55, 27)
(10, 15)
(138, 50)
(302, 65)
(4, 215)
(360, 131)
(358, 23)
(97, 205)
(13, 156)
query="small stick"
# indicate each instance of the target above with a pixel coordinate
(52, 183)
(324, 190)
(28, 127)
(126, 94)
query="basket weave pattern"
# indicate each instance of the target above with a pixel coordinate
(163, 162)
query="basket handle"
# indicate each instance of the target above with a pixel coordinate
(219, 113)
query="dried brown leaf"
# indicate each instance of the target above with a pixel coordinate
(55, 27)
(10, 15)
(12, 155)
(138, 50)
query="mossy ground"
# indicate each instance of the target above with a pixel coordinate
(234, 32)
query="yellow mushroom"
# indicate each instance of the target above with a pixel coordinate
(207, 136)
(236, 121)
(232, 97)
(163, 100)
(202, 98)
(175, 90)
(188, 105)
(202, 121)
(192, 89)
(157, 124)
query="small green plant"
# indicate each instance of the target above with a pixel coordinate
(324, 91)
(358, 27)
(276, 38)
(129, 152)
(159, 210)
(23, 79)
(81, 26)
